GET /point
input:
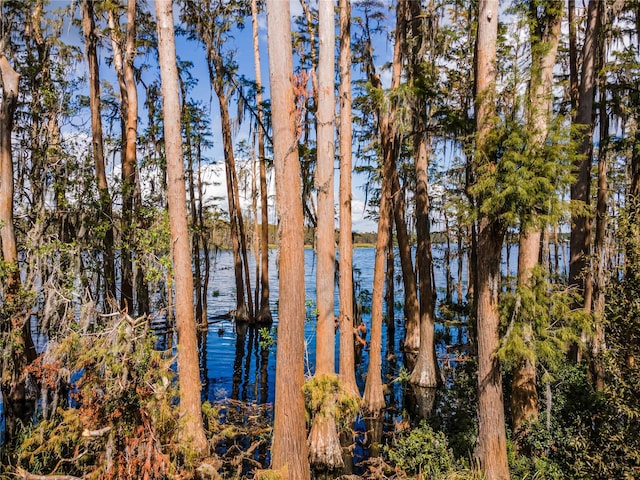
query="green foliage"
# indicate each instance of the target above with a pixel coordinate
(311, 311)
(518, 181)
(267, 339)
(153, 245)
(540, 323)
(325, 395)
(404, 376)
(125, 421)
(54, 442)
(421, 451)
(457, 407)
(533, 461)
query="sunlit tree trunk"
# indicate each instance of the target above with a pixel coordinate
(491, 448)
(425, 371)
(128, 178)
(373, 395)
(192, 430)
(289, 449)
(129, 164)
(324, 443)
(347, 323)
(264, 312)
(88, 27)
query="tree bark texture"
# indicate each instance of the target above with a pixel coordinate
(374, 400)
(324, 180)
(411, 306)
(491, 448)
(580, 239)
(324, 442)
(289, 448)
(19, 352)
(347, 320)
(129, 161)
(425, 372)
(264, 313)
(243, 313)
(188, 362)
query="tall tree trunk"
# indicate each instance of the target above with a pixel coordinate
(491, 448)
(19, 352)
(347, 320)
(411, 306)
(425, 372)
(600, 260)
(126, 269)
(524, 392)
(88, 26)
(129, 161)
(389, 281)
(242, 313)
(545, 35)
(289, 449)
(325, 272)
(324, 442)
(373, 396)
(580, 241)
(264, 313)
(192, 430)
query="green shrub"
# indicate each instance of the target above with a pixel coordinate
(421, 451)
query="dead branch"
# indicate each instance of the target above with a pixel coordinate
(95, 433)
(21, 473)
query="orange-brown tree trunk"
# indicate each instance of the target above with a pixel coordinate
(491, 448)
(580, 239)
(242, 313)
(129, 164)
(289, 449)
(324, 443)
(411, 306)
(120, 61)
(347, 321)
(425, 372)
(524, 393)
(373, 395)
(264, 312)
(88, 27)
(192, 430)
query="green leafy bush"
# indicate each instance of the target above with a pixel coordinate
(422, 451)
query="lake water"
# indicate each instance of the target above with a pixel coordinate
(235, 366)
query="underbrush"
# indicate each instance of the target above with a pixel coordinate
(120, 414)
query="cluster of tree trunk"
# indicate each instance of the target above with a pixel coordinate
(521, 141)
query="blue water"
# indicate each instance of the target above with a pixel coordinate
(224, 373)
(235, 366)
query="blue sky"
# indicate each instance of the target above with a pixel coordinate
(194, 52)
